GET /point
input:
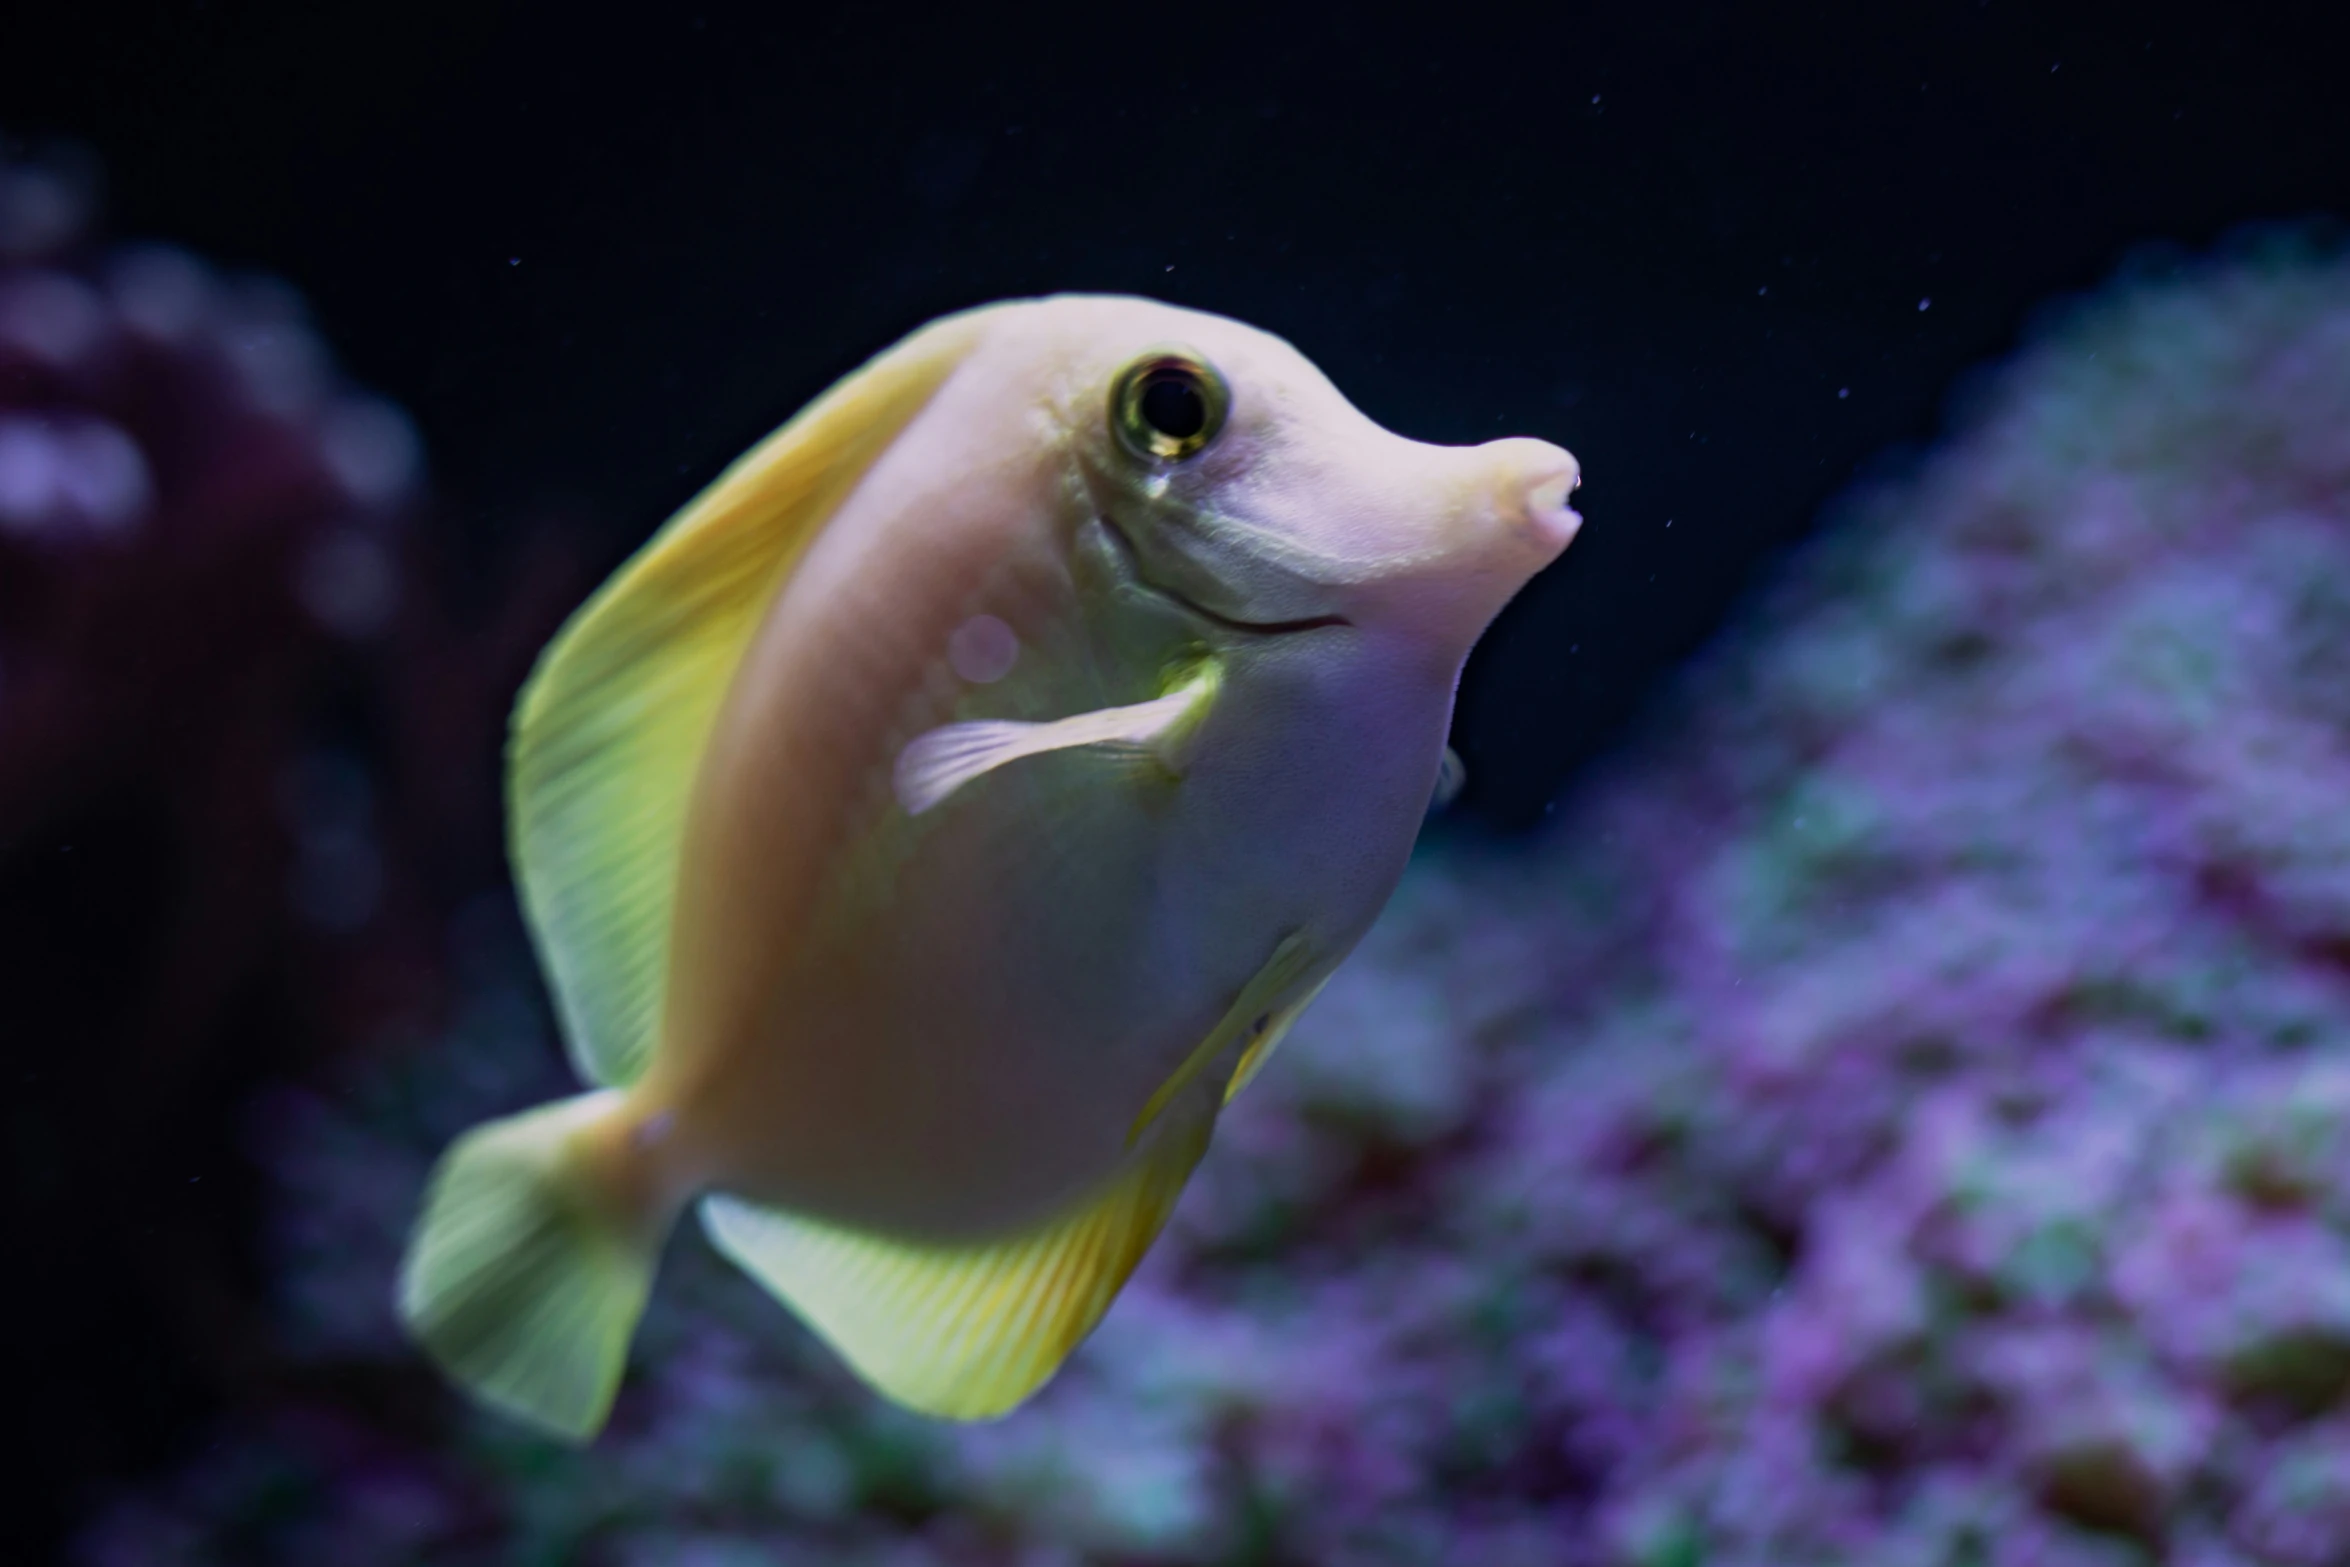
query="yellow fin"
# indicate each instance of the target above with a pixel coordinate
(611, 729)
(525, 1278)
(1260, 1050)
(965, 1332)
(1251, 1015)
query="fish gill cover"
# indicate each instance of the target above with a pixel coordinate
(1899, 1114)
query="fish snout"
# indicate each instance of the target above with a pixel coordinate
(1532, 484)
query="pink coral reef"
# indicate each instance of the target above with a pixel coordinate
(1900, 1114)
(245, 760)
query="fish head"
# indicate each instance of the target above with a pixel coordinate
(1243, 485)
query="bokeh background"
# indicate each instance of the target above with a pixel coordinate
(1863, 1074)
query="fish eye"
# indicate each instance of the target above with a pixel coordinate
(1168, 404)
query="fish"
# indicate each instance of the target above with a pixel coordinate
(944, 815)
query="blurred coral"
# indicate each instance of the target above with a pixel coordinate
(1900, 1116)
(244, 773)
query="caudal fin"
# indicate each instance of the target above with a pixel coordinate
(529, 1268)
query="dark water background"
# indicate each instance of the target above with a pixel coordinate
(596, 254)
(1730, 257)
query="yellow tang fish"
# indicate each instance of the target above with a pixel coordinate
(940, 819)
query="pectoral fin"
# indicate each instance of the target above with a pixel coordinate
(938, 763)
(966, 1332)
(1254, 1017)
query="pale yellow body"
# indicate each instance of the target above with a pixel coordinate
(946, 1024)
(949, 1050)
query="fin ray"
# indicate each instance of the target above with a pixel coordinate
(523, 1280)
(1260, 1050)
(1291, 958)
(965, 1332)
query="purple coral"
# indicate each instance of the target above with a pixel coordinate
(1898, 1116)
(217, 654)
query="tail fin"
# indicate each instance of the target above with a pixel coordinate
(527, 1273)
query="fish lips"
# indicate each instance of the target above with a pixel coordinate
(1132, 567)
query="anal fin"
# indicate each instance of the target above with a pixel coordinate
(966, 1332)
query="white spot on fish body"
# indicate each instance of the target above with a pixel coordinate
(983, 650)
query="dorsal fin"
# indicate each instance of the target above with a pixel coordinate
(610, 730)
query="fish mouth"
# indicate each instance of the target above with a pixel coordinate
(1131, 559)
